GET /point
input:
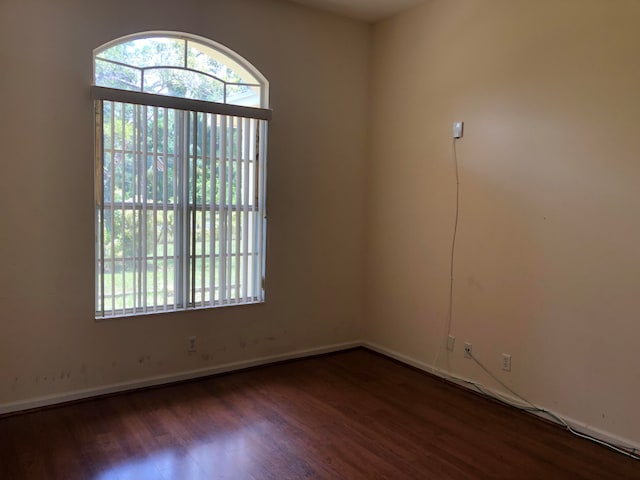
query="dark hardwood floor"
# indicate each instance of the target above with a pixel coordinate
(350, 415)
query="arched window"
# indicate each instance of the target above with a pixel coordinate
(181, 125)
(179, 65)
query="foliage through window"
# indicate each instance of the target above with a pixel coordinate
(181, 127)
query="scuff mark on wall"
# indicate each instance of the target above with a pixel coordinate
(144, 358)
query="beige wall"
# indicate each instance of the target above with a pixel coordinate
(317, 65)
(547, 261)
(547, 264)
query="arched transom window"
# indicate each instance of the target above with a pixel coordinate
(181, 125)
(180, 66)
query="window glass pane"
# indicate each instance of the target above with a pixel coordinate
(182, 83)
(203, 61)
(244, 95)
(148, 52)
(117, 76)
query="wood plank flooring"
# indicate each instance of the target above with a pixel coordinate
(350, 415)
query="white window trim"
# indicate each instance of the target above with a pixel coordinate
(101, 94)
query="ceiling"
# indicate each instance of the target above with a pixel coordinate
(366, 10)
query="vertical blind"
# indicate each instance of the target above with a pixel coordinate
(180, 208)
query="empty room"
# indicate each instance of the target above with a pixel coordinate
(324, 239)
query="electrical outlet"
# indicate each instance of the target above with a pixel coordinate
(451, 342)
(506, 362)
(467, 350)
(191, 344)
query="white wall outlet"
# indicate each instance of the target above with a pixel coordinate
(506, 362)
(467, 350)
(191, 344)
(458, 129)
(451, 343)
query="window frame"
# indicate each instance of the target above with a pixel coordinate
(261, 116)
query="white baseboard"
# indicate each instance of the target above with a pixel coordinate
(50, 400)
(464, 382)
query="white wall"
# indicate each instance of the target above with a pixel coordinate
(317, 65)
(547, 264)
